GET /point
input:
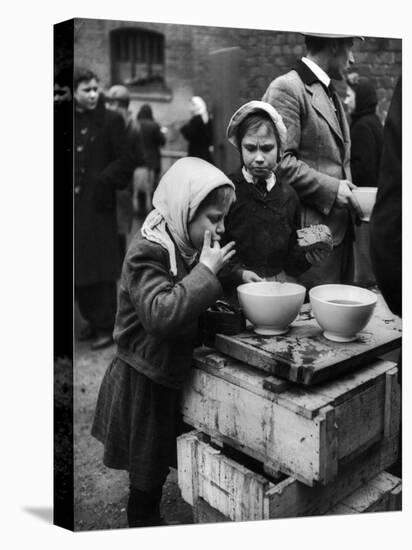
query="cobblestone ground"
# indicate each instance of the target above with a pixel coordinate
(100, 492)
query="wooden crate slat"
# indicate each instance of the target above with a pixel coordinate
(392, 403)
(373, 496)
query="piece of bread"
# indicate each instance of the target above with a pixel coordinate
(316, 237)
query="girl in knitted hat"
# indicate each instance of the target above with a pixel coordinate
(168, 280)
(266, 215)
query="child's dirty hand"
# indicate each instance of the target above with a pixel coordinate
(251, 277)
(213, 256)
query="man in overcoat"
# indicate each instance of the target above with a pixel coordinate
(316, 162)
(102, 164)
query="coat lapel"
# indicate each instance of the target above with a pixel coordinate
(324, 106)
(320, 99)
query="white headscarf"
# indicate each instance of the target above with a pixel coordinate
(199, 108)
(177, 197)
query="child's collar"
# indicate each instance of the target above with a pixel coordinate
(270, 181)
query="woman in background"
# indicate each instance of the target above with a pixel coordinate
(145, 180)
(198, 131)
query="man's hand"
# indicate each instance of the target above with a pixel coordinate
(213, 256)
(346, 199)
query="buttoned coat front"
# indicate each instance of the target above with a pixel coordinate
(317, 154)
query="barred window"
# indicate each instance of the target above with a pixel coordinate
(137, 58)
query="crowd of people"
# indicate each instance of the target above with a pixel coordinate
(301, 155)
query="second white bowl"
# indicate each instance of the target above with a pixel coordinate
(342, 310)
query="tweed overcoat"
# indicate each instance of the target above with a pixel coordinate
(102, 163)
(317, 154)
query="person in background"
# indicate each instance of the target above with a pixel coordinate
(118, 100)
(349, 101)
(198, 130)
(386, 225)
(366, 133)
(316, 162)
(153, 138)
(264, 219)
(102, 164)
(386, 218)
(169, 278)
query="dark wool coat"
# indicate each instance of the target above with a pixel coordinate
(152, 140)
(264, 229)
(102, 164)
(386, 219)
(199, 136)
(366, 134)
(157, 317)
(124, 211)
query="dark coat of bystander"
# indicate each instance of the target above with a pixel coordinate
(103, 163)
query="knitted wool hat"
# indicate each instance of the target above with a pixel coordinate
(256, 107)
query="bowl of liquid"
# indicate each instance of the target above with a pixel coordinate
(342, 311)
(271, 306)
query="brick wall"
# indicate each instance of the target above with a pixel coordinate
(264, 55)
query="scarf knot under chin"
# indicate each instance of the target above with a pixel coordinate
(176, 200)
(155, 229)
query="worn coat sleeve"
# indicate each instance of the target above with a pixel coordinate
(315, 188)
(166, 308)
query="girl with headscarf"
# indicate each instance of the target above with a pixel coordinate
(168, 280)
(198, 131)
(264, 219)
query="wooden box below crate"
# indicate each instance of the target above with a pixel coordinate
(382, 494)
(307, 433)
(238, 493)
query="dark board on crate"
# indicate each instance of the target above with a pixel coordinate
(305, 356)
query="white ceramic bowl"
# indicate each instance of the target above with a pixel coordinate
(271, 306)
(366, 197)
(342, 310)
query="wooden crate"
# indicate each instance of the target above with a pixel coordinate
(307, 433)
(237, 493)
